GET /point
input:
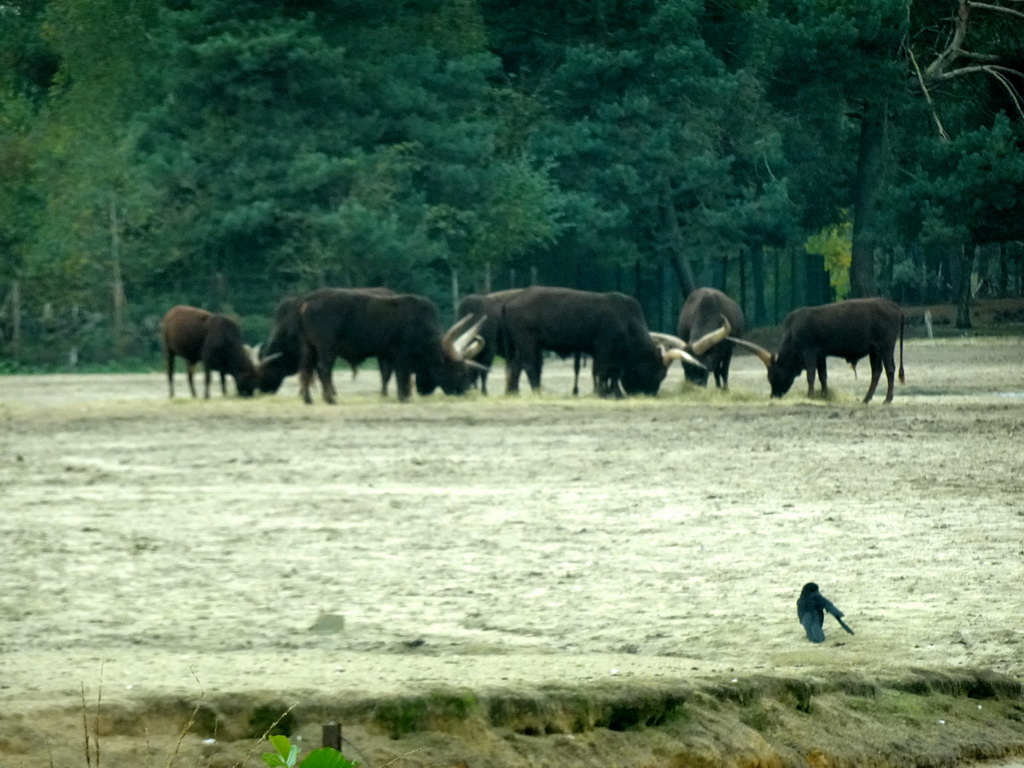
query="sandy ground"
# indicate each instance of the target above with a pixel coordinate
(159, 547)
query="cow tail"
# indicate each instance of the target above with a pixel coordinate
(903, 322)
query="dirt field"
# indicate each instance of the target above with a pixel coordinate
(154, 549)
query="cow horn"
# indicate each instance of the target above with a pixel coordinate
(708, 340)
(668, 356)
(766, 357)
(478, 366)
(667, 340)
(456, 340)
(475, 347)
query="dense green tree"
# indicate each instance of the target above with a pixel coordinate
(71, 96)
(426, 144)
(659, 144)
(350, 144)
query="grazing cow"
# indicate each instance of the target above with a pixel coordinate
(609, 327)
(282, 352)
(402, 331)
(702, 313)
(215, 340)
(489, 305)
(849, 329)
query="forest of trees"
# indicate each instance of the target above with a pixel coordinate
(226, 153)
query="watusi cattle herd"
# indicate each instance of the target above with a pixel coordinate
(405, 335)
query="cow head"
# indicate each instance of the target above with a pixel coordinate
(648, 370)
(459, 345)
(672, 348)
(780, 377)
(246, 372)
(250, 375)
(273, 368)
(645, 375)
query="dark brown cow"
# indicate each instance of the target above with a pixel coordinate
(609, 327)
(489, 305)
(849, 329)
(215, 340)
(282, 353)
(701, 314)
(402, 331)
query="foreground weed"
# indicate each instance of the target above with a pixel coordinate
(287, 756)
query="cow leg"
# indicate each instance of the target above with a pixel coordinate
(403, 381)
(191, 370)
(606, 380)
(207, 375)
(483, 381)
(876, 374)
(890, 375)
(513, 369)
(810, 380)
(533, 369)
(305, 378)
(224, 384)
(720, 382)
(385, 375)
(324, 371)
(170, 373)
(307, 362)
(823, 377)
(722, 371)
(576, 374)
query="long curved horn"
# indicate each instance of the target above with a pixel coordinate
(766, 357)
(474, 347)
(253, 353)
(667, 340)
(455, 330)
(708, 340)
(456, 340)
(668, 356)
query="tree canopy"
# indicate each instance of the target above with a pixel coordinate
(161, 147)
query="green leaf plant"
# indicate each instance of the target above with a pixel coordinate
(287, 756)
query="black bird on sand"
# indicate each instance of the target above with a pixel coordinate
(811, 607)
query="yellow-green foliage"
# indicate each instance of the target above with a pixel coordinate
(835, 243)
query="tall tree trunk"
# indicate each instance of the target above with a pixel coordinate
(743, 285)
(963, 305)
(869, 169)
(757, 270)
(117, 283)
(1004, 272)
(676, 255)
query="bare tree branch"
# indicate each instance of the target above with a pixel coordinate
(927, 95)
(997, 73)
(955, 47)
(986, 58)
(998, 9)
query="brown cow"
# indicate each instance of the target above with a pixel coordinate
(702, 313)
(402, 331)
(281, 355)
(215, 340)
(609, 327)
(849, 329)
